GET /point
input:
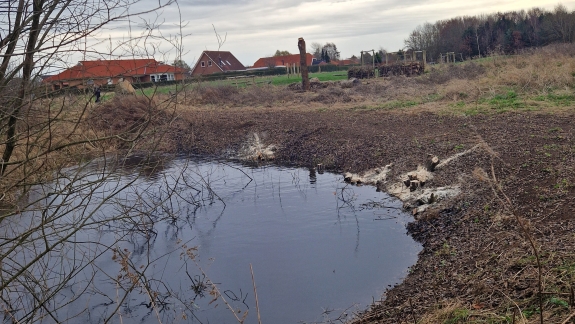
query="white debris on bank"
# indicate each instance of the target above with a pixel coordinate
(456, 156)
(421, 199)
(409, 189)
(255, 149)
(374, 176)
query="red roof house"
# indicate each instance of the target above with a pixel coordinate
(216, 62)
(283, 60)
(100, 72)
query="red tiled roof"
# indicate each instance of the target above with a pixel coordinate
(225, 60)
(114, 68)
(282, 60)
(343, 62)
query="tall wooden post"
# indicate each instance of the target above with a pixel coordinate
(303, 64)
(424, 59)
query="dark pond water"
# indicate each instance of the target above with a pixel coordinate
(318, 247)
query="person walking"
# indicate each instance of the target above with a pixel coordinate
(97, 94)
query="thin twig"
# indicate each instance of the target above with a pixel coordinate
(256, 295)
(217, 291)
(568, 318)
(507, 202)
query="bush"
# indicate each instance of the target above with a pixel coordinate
(126, 114)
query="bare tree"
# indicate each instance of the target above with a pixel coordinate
(561, 25)
(331, 50)
(53, 215)
(38, 33)
(316, 50)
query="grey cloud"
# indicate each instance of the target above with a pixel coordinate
(256, 28)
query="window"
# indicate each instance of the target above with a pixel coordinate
(171, 77)
(110, 81)
(203, 64)
(209, 63)
(153, 78)
(163, 77)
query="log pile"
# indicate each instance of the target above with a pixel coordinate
(361, 72)
(386, 70)
(407, 69)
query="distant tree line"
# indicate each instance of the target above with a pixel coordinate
(326, 53)
(501, 32)
(282, 53)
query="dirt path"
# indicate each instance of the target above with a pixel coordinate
(476, 263)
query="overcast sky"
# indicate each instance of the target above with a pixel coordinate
(257, 28)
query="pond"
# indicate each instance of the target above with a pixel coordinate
(159, 243)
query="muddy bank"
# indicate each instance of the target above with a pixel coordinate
(476, 264)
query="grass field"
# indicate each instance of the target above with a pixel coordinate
(323, 76)
(244, 82)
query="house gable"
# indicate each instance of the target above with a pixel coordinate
(216, 62)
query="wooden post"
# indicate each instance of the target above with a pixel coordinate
(303, 64)
(424, 60)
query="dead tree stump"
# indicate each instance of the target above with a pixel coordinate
(431, 162)
(303, 64)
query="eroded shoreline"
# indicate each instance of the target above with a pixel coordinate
(475, 260)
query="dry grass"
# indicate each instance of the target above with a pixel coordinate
(533, 81)
(64, 131)
(540, 72)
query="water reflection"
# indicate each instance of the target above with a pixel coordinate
(312, 176)
(178, 243)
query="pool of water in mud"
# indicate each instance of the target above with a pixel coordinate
(319, 247)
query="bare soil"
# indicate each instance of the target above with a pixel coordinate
(476, 265)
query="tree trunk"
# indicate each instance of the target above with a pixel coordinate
(303, 64)
(27, 67)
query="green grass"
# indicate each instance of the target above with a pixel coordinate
(507, 101)
(244, 82)
(504, 102)
(323, 76)
(560, 100)
(459, 315)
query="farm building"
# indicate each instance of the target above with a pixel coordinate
(284, 60)
(100, 72)
(216, 62)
